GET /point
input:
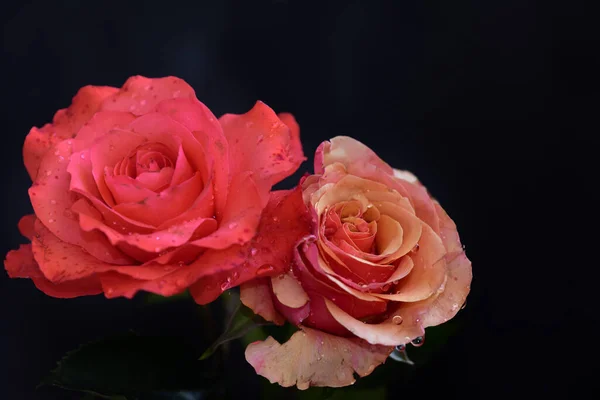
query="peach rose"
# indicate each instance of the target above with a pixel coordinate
(378, 262)
(142, 188)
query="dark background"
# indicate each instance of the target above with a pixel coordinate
(491, 104)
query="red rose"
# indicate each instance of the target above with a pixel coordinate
(142, 188)
(377, 262)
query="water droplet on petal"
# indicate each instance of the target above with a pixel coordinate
(143, 102)
(400, 348)
(180, 282)
(225, 285)
(260, 139)
(51, 220)
(397, 319)
(82, 155)
(52, 201)
(275, 219)
(418, 341)
(454, 307)
(253, 251)
(157, 238)
(109, 291)
(265, 269)
(233, 225)
(236, 275)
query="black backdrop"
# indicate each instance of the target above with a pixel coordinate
(482, 100)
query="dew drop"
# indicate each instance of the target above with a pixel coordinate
(275, 219)
(233, 225)
(253, 251)
(397, 319)
(400, 348)
(52, 201)
(454, 307)
(132, 107)
(236, 275)
(157, 238)
(110, 291)
(225, 285)
(56, 153)
(265, 269)
(180, 282)
(260, 138)
(143, 102)
(82, 155)
(418, 341)
(416, 248)
(68, 213)
(48, 173)
(51, 220)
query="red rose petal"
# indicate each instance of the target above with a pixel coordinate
(313, 358)
(124, 189)
(183, 170)
(158, 208)
(260, 142)
(21, 264)
(26, 226)
(139, 95)
(65, 125)
(291, 314)
(52, 202)
(196, 117)
(284, 221)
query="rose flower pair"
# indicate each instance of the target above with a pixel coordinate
(143, 189)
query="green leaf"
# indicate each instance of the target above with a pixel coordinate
(241, 322)
(125, 366)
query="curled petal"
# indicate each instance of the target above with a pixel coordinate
(428, 273)
(262, 143)
(26, 226)
(289, 291)
(256, 295)
(313, 358)
(346, 150)
(448, 232)
(21, 264)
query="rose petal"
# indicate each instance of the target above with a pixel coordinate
(260, 142)
(65, 125)
(428, 273)
(52, 202)
(313, 358)
(124, 189)
(289, 291)
(183, 170)
(285, 220)
(389, 235)
(386, 333)
(256, 295)
(139, 95)
(346, 150)
(422, 203)
(199, 120)
(448, 232)
(26, 226)
(294, 315)
(156, 181)
(21, 264)
(158, 208)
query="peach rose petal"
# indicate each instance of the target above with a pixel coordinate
(422, 203)
(256, 295)
(283, 223)
(411, 225)
(313, 358)
(52, 202)
(262, 144)
(315, 278)
(158, 208)
(386, 333)
(65, 125)
(447, 304)
(293, 315)
(289, 291)
(21, 264)
(205, 127)
(139, 95)
(428, 273)
(448, 232)
(389, 235)
(344, 149)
